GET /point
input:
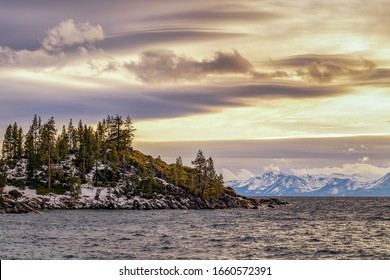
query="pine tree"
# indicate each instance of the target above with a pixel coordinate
(3, 177)
(90, 146)
(63, 144)
(178, 171)
(214, 182)
(19, 144)
(200, 166)
(48, 141)
(32, 149)
(109, 143)
(113, 157)
(128, 136)
(7, 150)
(15, 134)
(72, 135)
(121, 134)
(39, 148)
(207, 182)
(96, 148)
(102, 141)
(86, 152)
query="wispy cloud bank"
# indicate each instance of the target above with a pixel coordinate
(165, 66)
(328, 71)
(161, 66)
(219, 13)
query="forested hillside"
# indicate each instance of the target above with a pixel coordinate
(55, 161)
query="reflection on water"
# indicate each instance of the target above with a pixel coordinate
(309, 228)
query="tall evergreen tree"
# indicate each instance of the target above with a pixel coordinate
(200, 167)
(32, 148)
(214, 182)
(72, 135)
(178, 171)
(121, 134)
(128, 135)
(3, 177)
(15, 134)
(48, 141)
(63, 144)
(207, 182)
(7, 150)
(19, 144)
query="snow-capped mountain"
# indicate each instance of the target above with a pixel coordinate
(279, 184)
(380, 187)
(271, 183)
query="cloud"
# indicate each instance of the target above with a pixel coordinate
(272, 168)
(67, 33)
(6, 54)
(165, 66)
(195, 99)
(364, 159)
(59, 43)
(270, 75)
(328, 71)
(221, 13)
(320, 68)
(298, 61)
(26, 58)
(380, 78)
(367, 171)
(162, 66)
(241, 175)
(355, 149)
(278, 165)
(349, 150)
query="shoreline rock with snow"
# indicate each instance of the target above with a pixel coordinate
(104, 198)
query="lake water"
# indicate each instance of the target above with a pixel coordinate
(309, 228)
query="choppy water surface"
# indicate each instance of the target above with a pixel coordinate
(309, 228)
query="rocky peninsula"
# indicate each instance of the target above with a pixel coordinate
(99, 198)
(97, 168)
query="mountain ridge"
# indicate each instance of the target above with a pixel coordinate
(280, 184)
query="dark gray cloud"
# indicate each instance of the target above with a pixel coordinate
(161, 66)
(64, 101)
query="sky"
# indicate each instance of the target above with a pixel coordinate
(259, 85)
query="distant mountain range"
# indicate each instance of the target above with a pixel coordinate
(279, 184)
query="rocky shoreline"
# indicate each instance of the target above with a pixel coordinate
(179, 200)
